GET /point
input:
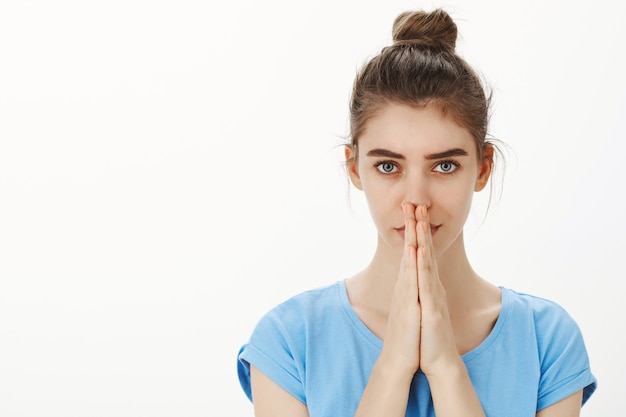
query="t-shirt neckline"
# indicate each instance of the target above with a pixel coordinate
(375, 341)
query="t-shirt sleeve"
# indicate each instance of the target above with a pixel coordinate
(274, 350)
(564, 361)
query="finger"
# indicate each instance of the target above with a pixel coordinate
(425, 278)
(424, 238)
(407, 287)
(410, 236)
(426, 268)
(426, 263)
(409, 259)
(409, 269)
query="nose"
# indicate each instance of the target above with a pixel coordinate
(417, 190)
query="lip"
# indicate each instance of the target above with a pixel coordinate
(433, 230)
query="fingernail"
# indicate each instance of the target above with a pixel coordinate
(423, 211)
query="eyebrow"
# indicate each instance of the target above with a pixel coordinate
(439, 155)
(447, 154)
(386, 153)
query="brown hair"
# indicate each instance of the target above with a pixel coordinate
(421, 68)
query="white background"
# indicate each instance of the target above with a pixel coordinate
(170, 170)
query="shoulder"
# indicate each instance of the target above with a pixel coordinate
(289, 322)
(280, 340)
(546, 314)
(534, 326)
(310, 305)
(559, 342)
(553, 327)
(534, 302)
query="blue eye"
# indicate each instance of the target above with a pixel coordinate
(446, 167)
(386, 167)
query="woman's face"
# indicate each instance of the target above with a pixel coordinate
(420, 156)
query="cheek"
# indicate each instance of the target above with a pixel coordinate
(381, 200)
(384, 199)
(456, 200)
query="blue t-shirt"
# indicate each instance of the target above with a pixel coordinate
(317, 349)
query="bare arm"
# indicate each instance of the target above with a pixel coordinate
(271, 400)
(410, 321)
(387, 390)
(386, 393)
(419, 333)
(451, 388)
(453, 393)
(567, 407)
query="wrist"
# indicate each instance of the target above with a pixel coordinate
(446, 370)
(452, 390)
(394, 368)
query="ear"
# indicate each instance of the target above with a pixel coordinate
(484, 168)
(352, 166)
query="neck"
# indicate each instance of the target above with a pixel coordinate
(375, 284)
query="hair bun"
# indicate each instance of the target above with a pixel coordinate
(434, 30)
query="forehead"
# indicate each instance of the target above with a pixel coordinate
(414, 130)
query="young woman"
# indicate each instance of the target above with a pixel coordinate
(417, 332)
